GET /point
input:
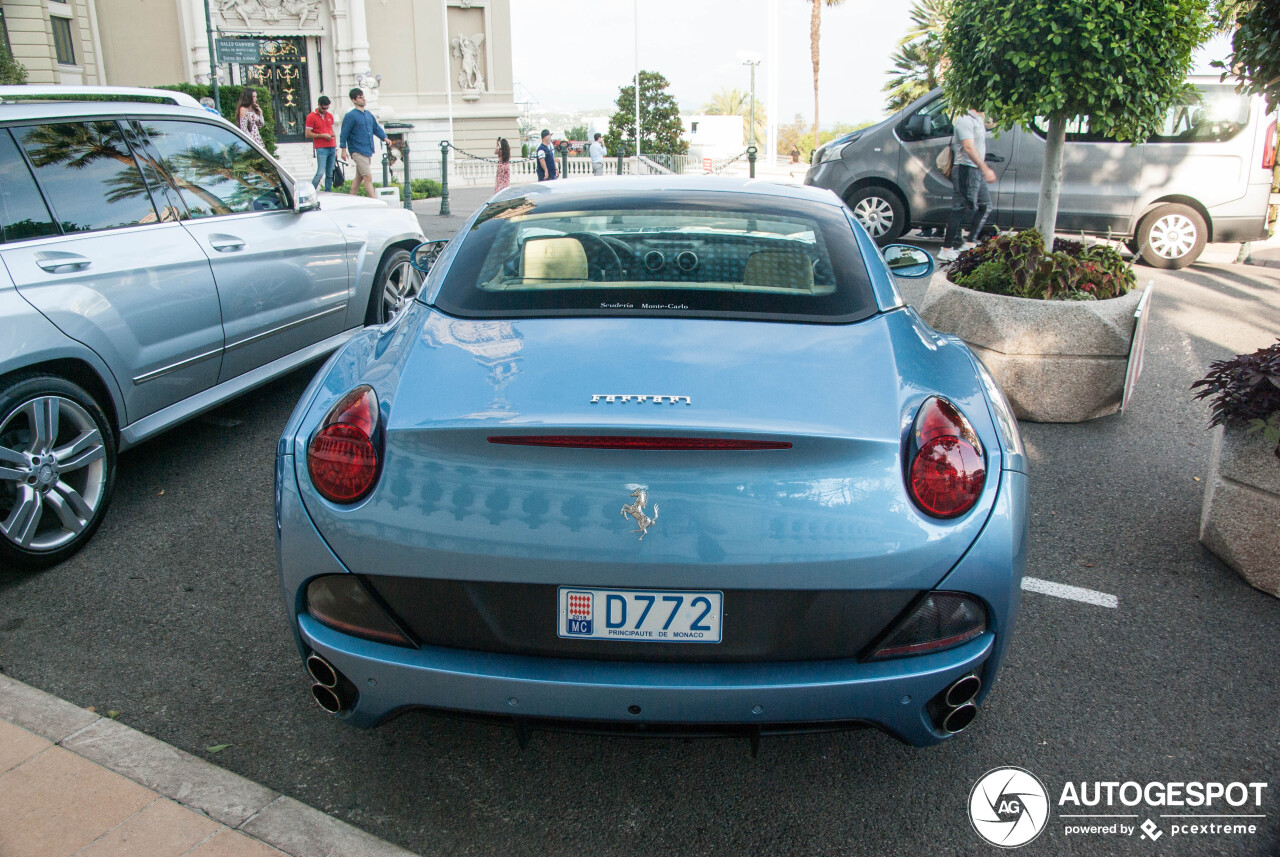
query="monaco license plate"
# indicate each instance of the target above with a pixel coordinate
(640, 615)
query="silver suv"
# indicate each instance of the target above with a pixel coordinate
(1204, 176)
(154, 262)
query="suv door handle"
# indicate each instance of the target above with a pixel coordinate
(58, 262)
(993, 159)
(226, 243)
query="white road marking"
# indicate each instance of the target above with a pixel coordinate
(1073, 593)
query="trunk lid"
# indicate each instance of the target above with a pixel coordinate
(831, 512)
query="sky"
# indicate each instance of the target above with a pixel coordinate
(573, 55)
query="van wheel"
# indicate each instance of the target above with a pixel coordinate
(396, 283)
(1172, 236)
(880, 211)
(57, 469)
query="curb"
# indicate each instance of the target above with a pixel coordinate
(230, 799)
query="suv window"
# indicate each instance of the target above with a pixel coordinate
(88, 175)
(23, 213)
(214, 170)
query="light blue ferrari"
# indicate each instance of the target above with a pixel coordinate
(656, 455)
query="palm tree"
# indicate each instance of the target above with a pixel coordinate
(815, 36)
(917, 64)
(928, 18)
(735, 102)
(915, 72)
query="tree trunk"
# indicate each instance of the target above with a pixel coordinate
(1051, 180)
(815, 35)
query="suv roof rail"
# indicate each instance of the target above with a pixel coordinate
(71, 93)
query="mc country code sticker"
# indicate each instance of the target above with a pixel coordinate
(640, 615)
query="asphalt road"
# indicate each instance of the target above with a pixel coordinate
(173, 617)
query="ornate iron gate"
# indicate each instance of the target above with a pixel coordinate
(283, 71)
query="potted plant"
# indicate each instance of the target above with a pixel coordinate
(1240, 521)
(1056, 329)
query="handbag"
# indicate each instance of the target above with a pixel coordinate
(945, 161)
(339, 177)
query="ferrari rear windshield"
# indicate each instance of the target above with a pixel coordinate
(702, 254)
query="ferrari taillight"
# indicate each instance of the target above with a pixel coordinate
(342, 457)
(945, 464)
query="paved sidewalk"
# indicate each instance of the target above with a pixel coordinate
(463, 201)
(75, 783)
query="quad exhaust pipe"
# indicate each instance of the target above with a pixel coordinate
(332, 690)
(955, 706)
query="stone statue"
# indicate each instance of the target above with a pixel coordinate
(468, 50)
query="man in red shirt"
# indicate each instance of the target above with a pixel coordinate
(320, 133)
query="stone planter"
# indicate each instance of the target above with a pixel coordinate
(1242, 507)
(1058, 361)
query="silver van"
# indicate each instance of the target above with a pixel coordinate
(154, 263)
(1204, 176)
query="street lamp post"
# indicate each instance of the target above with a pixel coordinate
(751, 59)
(213, 56)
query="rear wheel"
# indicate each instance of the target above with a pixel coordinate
(1172, 236)
(880, 211)
(57, 469)
(396, 283)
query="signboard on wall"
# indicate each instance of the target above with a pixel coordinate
(239, 51)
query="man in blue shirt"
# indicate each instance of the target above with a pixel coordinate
(546, 158)
(359, 127)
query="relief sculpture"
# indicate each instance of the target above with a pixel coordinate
(467, 49)
(270, 11)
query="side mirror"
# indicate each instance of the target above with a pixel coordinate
(305, 197)
(425, 254)
(906, 261)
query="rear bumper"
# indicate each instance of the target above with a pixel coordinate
(1233, 229)
(891, 695)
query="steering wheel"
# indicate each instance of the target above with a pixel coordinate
(603, 264)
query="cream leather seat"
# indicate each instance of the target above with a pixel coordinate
(556, 259)
(782, 269)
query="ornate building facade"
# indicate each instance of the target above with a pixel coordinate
(443, 66)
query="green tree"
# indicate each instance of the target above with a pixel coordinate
(917, 64)
(1121, 63)
(577, 132)
(1255, 46)
(661, 129)
(735, 102)
(815, 36)
(797, 134)
(12, 72)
